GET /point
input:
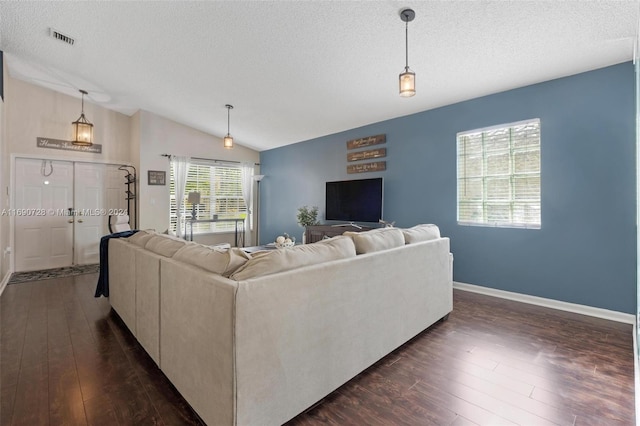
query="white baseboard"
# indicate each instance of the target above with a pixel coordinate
(549, 303)
(5, 280)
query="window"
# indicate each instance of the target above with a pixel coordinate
(220, 189)
(499, 176)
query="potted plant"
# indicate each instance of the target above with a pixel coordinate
(307, 216)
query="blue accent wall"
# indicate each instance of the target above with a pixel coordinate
(585, 251)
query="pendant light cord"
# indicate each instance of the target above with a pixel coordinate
(83, 93)
(229, 108)
(406, 44)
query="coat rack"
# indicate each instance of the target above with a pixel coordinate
(130, 181)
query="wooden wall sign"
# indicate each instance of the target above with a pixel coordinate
(368, 141)
(96, 148)
(367, 155)
(378, 166)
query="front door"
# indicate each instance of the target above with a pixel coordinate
(43, 227)
(90, 212)
(62, 210)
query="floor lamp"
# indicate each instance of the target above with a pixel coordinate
(258, 178)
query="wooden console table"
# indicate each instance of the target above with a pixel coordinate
(317, 233)
(239, 232)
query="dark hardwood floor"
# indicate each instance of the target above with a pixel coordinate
(67, 359)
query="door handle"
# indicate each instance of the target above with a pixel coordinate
(70, 221)
(80, 221)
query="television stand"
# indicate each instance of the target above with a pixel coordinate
(348, 224)
(317, 233)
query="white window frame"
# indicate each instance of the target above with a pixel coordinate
(520, 203)
(208, 198)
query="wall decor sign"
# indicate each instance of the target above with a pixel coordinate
(378, 166)
(96, 148)
(367, 155)
(368, 141)
(157, 177)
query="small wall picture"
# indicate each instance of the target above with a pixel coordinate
(157, 177)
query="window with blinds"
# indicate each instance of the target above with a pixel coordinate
(499, 176)
(220, 189)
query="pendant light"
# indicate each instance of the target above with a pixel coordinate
(228, 140)
(82, 129)
(408, 77)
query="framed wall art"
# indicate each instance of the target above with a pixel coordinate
(157, 177)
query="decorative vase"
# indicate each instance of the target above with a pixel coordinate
(304, 236)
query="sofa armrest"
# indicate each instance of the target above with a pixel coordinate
(197, 311)
(148, 301)
(122, 281)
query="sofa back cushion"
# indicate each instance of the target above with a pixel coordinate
(164, 245)
(280, 260)
(141, 238)
(220, 261)
(376, 239)
(421, 233)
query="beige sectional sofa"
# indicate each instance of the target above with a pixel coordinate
(255, 340)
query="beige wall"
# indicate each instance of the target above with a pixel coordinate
(134, 156)
(30, 111)
(159, 136)
(38, 112)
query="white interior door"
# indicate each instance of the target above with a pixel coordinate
(90, 212)
(43, 232)
(61, 211)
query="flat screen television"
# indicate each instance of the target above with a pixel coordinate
(354, 200)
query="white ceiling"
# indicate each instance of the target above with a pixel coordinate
(300, 70)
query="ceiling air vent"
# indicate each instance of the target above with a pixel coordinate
(62, 37)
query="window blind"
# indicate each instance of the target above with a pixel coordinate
(499, 175)
(220, 189)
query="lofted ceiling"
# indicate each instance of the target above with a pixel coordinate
(299, 70)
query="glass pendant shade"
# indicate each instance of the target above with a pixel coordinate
(82, 132)
(228, 142)
(82, 128)
(407, 83)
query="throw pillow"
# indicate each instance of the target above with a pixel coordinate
(164, 245)
(376, 239)
(141, 238)
(286, 259)
(220, 261)
(420, 233)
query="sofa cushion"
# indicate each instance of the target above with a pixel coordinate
(280, 260)
(376, 239)
(220, 261)
(164, 245)
(420, 233)
(141, 238)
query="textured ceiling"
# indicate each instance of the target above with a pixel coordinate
(300, 70)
